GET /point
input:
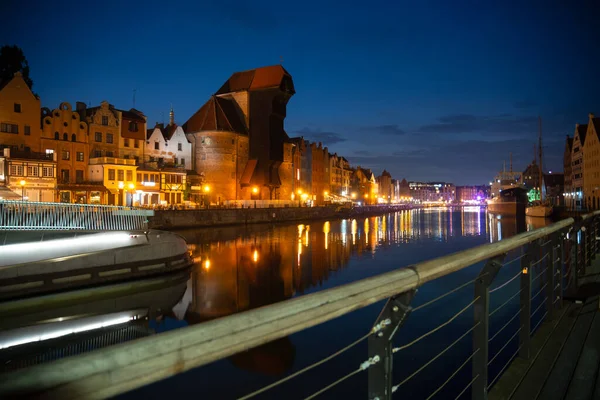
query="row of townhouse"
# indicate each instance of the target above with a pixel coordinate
(582, 166)
(233, 149)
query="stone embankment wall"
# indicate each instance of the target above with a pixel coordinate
(176, 219)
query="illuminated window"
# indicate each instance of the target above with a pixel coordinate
(48, 172)
(105, 120)
(80, 156)
(111, 174)
(66, 155)
(121, 175)
(129, 175)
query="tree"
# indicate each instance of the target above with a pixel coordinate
(13, 60)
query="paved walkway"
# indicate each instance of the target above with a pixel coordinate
(565, 352)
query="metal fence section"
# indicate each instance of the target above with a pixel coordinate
(538, 267)
(24, 215)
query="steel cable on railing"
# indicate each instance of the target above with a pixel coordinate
(395, 387)
(539, 322)
(448, 293)
(506, 302)
(503, 347)
(365, 365)
(453, 374)
(540, 306)
(308, 368)
(538, 275)
(539, 291)
(538, 261)
(432, 331)
(505, 283)
(505, 325)
(545, 243)
(503, 368)
(467, 387)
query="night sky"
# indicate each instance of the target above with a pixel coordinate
(430, 90)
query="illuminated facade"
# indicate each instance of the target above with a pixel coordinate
(365, 185)
(385, 187)
(119, 177)
(577, 164)
(19, 116)
(591, 164)
(27, 175)
(66, 135)
(133, 135)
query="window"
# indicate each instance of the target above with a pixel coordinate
(16, 170)
(136, 143)
(66, 155)
(33, 171)
(126, 156)
(179, 146)
(145, 178)
(129, 175)
(73, 138)
(175, 160)
(64, 175)
(232, 141)
(98, 136)
(120, 175)
(109, 138)
(109, 154)
(97, 153)
(56, 136)
(48, 172)
(137, 160)
(139, 177)
(17, 108)
(104, 120)
(9, 128)
(66, 137)
(133, 126)
(79, 176)
(49, 151)
(80, 156)
(27, 130)
(111, 174)
(126, 142)
(155, 145)
(183, 162)
(161, 160)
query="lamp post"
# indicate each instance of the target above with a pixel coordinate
(254, 194)
(22, 183)
(206, 190)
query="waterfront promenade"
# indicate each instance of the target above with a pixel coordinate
(549, 264)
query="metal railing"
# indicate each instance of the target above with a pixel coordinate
(543, 264)
(24, 215)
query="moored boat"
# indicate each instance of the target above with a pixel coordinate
(509, 202)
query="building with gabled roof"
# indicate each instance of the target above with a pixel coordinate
(243, 120)
(591, 164)
(577, 164)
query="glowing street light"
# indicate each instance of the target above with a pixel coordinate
(353, 195)
(22, 183)
(206, 188)
(255, 190)
(326, 193)
(300, 191)
(255, 256)
(131, 186)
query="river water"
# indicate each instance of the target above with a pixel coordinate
(242, 268)
(239, 269)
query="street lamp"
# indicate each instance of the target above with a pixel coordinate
(206, 190)
(22, 183)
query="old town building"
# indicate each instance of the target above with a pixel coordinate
(19, 116)
(169, 144)
(133, 135)
(364, 185)
(577, 178)
(340, 174)
(384, 182)
(27, 175)
(66, 135)
(320, 173)
(568, 169)
(219, 140)
(591, 164)
(261, 95)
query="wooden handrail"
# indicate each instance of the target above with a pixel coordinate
(120, 368)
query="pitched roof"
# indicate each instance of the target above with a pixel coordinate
(255, 79)
(596, 123)
(133, 115)
(217, 114)
(582, 130)
(168, 131)
(385, 173)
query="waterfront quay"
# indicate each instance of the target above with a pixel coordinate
(265, 305)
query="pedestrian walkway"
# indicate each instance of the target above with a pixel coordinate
(565, 352)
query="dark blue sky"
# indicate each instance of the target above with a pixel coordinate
(430, 90)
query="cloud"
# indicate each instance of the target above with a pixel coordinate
(502, 124)
(393, 130)
(524, 104)
(316, 135)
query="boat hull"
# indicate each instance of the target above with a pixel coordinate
(507, 208)
(538, 211)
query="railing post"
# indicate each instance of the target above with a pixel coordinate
(525, 300)
(554, 259)
(392, 317)
(481, 321)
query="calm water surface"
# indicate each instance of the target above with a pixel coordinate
(242, 268)
(238, 269)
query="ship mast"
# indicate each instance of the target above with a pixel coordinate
(540, 155)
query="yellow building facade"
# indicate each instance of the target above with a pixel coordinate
(64, 134)
(19, 116)
(118, 176)
(591, 161)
